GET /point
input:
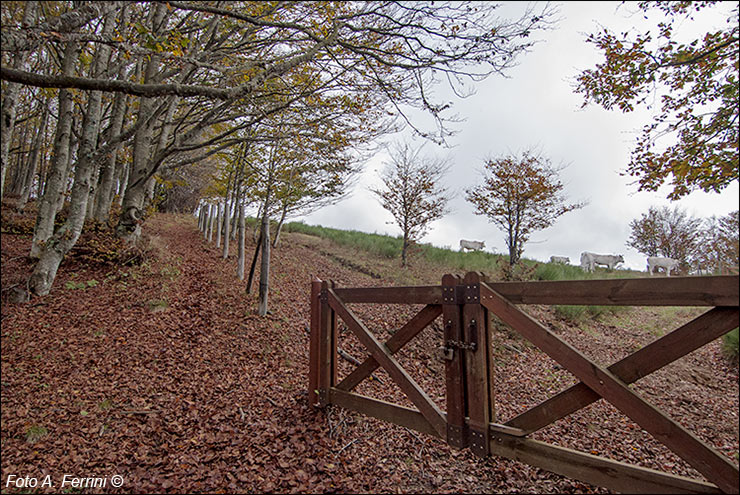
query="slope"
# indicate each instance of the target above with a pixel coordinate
(163, 374)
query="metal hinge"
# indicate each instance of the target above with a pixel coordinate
(470, 293)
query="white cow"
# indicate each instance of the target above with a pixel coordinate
(474, 245)
(669, 264)
(560, 259)
(590, 260)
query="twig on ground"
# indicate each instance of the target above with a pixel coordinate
(342, 449)
(512, 348)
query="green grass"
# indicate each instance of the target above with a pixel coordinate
(559, 271)
(582, 313)
(730, 344)
(380, 245)
(390, 247)
(492, 264)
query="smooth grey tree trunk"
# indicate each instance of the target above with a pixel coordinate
(218, 225)
(90, 210)
(211, 221)
(123, 183)
(19, 170)
(265, 260)
(226, 233)
(236, 201)
(66, 237)
(280, 226)
(242, 232)
(206, 220)
(104, 198)
(33, 159)
(235, 219)
(10, 99)
(151, 183)
(253, 265)
(132, 205)
(74, 145)
(258, 225)
(56, 182)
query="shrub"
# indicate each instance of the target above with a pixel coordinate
(730, 344)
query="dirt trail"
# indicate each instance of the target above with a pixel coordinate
(165, 375)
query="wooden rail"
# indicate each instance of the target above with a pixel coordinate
(466, 304)
(719, 290)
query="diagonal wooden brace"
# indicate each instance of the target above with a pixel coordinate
(383, 356)
(713, 465)
(685, 339)
(403, 336)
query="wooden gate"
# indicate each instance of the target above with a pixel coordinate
(470, 420)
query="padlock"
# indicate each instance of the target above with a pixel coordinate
(445, 353)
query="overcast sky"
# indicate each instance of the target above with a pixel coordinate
(535, 107)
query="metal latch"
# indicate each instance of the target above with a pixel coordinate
(470, 346)
(473, 334)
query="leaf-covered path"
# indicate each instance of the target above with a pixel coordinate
(163, 374)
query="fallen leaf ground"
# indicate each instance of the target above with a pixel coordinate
(162, 373)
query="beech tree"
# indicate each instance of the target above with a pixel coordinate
(718, 246)
(413, 193)
(65, 237)
(693, 139)
(11, 90)
(729, 227)
(520, 195)
(669, 232)
(199, 73)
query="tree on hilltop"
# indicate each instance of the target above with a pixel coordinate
(668, 232)
(412, 192)
(520, 195)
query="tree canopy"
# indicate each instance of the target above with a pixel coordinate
(693, 138)
(413, 192)
(147, 88)
(520, 195)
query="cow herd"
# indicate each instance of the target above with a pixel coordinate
(590, 260)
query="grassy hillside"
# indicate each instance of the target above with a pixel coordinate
(494, 265)
(491, 264)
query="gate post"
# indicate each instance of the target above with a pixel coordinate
(478, 379)
(457, 434)
(327, 346)
(315, 336)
